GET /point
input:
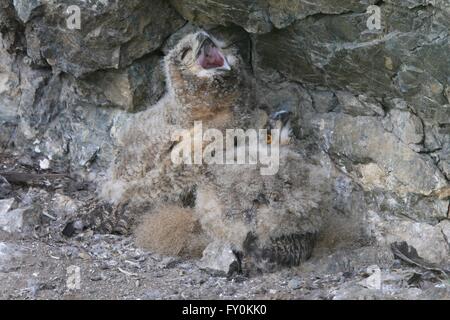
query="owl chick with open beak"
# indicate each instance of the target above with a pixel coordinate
(205, 82)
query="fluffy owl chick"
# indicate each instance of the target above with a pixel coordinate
(204, 83)
(273, 220)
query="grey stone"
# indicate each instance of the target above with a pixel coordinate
(437, 292)
(9, 253)
(12, 221)
(133, 88)
(428, 240)
(340, 51)
(8, 23)
(324, 100)
(17, 220)
(382, 162)
(262, 15)
(416, 207)
(5, 188)
(294, 284)
(152, 294)
(112, 35)
(407, 127)
(445, 167)
(357, 106)
(445, 227)
(5, 205)
(25, 8)
(251, 18)
(219, 258)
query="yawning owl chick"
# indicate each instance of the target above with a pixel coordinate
(205, 82)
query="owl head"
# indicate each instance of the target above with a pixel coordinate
(281, 120)
(204, 74)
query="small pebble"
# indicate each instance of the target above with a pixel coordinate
(294, 284)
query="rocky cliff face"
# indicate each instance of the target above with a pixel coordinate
(374, 101)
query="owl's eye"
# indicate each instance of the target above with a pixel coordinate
(185, 53)
(269, 138)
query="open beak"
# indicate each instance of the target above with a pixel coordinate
(209, 56)
(225, 66)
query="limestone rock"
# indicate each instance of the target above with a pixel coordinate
(133, 88)
(357, 106)
(12, 221)
(382, 160)
(407, 127)
(5, 188)
(445, 227)
(111, 34)
(26, 8)
(429, 241)
(5, 205)
(262, 15)
(219, 258)
(340, 51)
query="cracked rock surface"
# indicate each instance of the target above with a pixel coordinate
(374, 103)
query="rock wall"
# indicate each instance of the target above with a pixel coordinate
(375, 102)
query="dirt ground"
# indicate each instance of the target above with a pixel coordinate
(111, 267)
(39, 262)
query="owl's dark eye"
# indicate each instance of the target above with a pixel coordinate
(185, 52)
